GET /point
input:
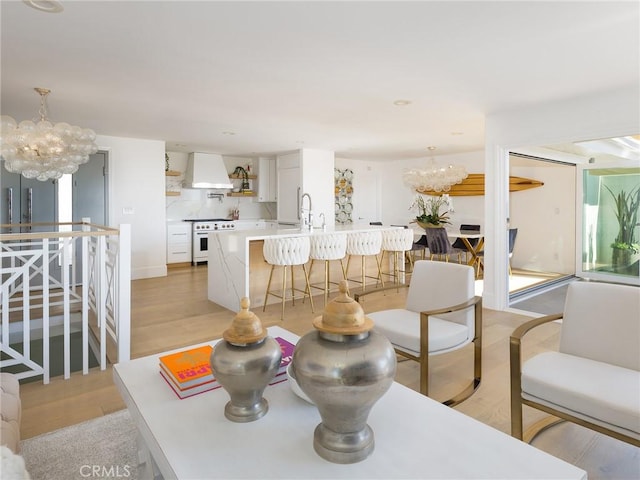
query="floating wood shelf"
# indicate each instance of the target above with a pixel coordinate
(172, 194)
(172, 173)
(240, 194)
(474, 185)
(234, 176)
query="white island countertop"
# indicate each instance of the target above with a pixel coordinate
(228, 265)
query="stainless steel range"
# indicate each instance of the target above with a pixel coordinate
(200, 235)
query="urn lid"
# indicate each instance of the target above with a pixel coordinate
(246, 327)
(343, 315)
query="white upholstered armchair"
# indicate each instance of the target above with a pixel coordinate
(593, 379)
(441, 314)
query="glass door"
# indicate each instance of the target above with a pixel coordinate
(609, 232)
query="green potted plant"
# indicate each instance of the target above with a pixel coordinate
(626, 209)
(429, 214)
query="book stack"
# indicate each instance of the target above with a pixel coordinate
(189, 372)
(287, 356)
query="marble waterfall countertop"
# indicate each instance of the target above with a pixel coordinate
(229, 261)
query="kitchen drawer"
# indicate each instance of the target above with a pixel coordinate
(178, 253)
(178, 233)
(179, 242)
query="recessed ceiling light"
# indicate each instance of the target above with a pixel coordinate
(49, 6)
(401, 103)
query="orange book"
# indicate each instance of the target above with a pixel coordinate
(190, 367)
(189, 392)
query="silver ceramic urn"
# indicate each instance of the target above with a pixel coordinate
(244, 363)
(344, 367)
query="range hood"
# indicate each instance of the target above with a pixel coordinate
(206, 170)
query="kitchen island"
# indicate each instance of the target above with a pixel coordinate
(236, 267)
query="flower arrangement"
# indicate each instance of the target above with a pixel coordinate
(429, 211)
(626, 209)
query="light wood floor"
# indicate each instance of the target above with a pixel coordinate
(173, 311)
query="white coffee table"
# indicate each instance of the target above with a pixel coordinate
(416, 437)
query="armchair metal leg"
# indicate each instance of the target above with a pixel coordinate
(477, 376)
(477, 358)
(539, 427)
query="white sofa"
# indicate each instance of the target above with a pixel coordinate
(10, 411)
(594, 377)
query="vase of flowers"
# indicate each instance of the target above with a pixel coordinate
(428, 211)
(625, 246)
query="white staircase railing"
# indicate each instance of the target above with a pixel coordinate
(43, 290)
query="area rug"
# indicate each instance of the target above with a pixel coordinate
(104, 447)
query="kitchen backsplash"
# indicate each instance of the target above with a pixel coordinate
(194, 203)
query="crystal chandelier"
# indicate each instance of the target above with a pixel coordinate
(42, 150)
(434, 178)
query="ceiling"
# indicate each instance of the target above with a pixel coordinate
(247, 78)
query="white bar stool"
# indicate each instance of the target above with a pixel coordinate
(328, 247)
(287, 252)
(364, 244)
(396, 241)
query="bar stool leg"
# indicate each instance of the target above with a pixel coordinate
(284, 288)
(266, 295)
(308, 287)
(379, 272)
(326, 281)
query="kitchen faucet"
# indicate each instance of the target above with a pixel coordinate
(306, 222)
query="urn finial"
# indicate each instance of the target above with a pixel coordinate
(246, 327)
(343, 315)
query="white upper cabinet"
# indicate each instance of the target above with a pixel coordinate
(306, 171)
(288, 187)
(267, 179)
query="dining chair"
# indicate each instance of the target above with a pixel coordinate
(459, 243)
(513, 233)
(420, 246)
(439, 244)
(442, 314)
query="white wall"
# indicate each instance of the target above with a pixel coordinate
(136, 197)
(608, 114)
(544, 217)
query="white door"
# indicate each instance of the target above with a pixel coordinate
(366, 198)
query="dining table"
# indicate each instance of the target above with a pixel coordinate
(465, 236)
